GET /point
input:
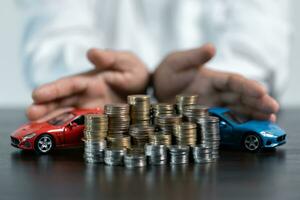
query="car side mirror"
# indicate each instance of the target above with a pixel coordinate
(73, 124)
(223, 124)
(70, 125)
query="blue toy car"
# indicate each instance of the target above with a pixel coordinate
(252, 135)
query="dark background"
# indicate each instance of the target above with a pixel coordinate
(65, 175)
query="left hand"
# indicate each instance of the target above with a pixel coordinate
(116, 75)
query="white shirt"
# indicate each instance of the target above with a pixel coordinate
(251, 36)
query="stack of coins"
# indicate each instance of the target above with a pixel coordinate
(137, 132)
(118, 118)
(159, 138)
(140, 134)
(193, 112)
(94, 151)
(209, 133)
(185, 100)
(185, 133)
(157, 154)
(114, 156)
(95, 127)
(165, 123)
(202, 153)
(94, 134)
(132, 160)
(161, 109)
(139, 109)
(119, 141)
(136, 150)
(179, 154)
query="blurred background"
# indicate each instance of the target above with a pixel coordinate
(16, 93)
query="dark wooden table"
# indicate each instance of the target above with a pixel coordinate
(64, 174)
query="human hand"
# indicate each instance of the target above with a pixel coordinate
(116, 75)
(184, 72)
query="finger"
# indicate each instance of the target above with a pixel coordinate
(102, 59)
(237, 83)
(250, 112)
(192, 58)
(264, 104)
(37, 111)
(61, 88)
(245, 86)
(229, 98)
(116, 79)
(273, 118)
(53, 114)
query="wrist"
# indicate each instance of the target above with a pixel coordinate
(156, 87)
(150, 88)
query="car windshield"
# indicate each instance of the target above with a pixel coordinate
(61, 119)
(239, 119)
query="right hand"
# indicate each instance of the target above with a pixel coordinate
(116, 75)
(184, 72)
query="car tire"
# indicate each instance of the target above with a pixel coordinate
(252, 142)
(44, 144)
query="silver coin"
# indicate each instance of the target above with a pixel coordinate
(179, 154)
(135, 160)
(114, 156)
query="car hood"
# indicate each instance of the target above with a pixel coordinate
(33, 127)
(259, 126)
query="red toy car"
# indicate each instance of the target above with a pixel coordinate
(61, 129)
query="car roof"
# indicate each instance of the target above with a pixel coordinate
(218, 110)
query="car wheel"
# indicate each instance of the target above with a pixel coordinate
(44, 144)
(252, 142)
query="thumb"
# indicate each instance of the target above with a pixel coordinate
(193, 58)
(102, 59)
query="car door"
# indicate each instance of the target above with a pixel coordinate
(74, 131)
(226, 132)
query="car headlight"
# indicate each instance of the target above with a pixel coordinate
(267, 134)
(28, 136)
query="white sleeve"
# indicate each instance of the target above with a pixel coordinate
(57, 35)
(252, 38)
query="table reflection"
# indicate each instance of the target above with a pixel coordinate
(67, 167)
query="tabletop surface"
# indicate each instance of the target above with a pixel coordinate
(65, 175)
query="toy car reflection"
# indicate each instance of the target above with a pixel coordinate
(59, 130)
(252, 135)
